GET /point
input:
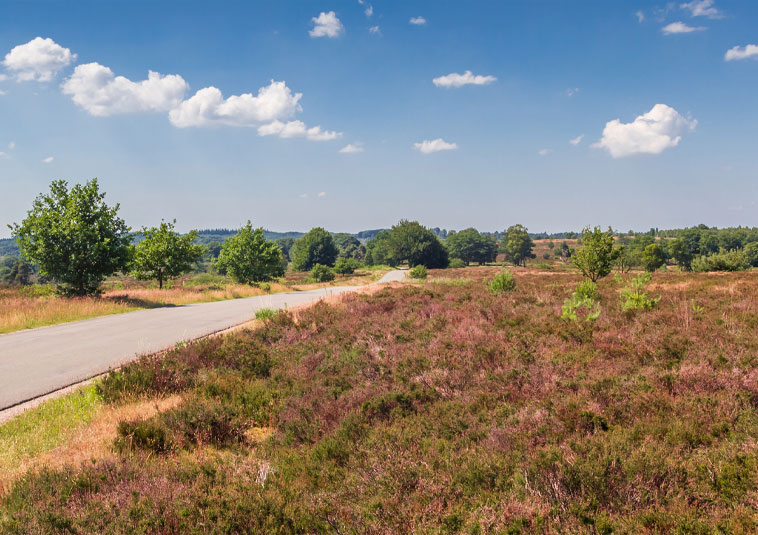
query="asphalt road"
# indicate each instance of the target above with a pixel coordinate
(36, 362)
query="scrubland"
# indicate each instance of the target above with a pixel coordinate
(432, 407)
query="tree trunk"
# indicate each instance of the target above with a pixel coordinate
(160, 280)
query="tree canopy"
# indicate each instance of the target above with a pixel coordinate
(410, 241)
(74, 237)
(249, 257)
(315, 247)
(518, 245)
(598, 254)
(471, 246)
(164, 253)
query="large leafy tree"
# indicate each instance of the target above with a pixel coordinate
(378, 250)
(249, 257)
(653, 257)
(598, 254)
(74, 237)
(349, 246)
(315, 247)
(471, 246)
(410, 241)
(164, 253)
(680, 251)
(518, 245)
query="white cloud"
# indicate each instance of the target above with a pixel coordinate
(321, 194)
(3, 93)
(640, 16)
(657, 130)
(436, 145)
(208, 107)
(12, 145)
(702, 8)
(369, 11)
(3, 155)
(39, 59)
(467, 78)
(680, 27)
(297, 129)
(375, 30)
(577, 139)
(326, 25)
(351, 148)
(95, 88)
(418, 21)
(3, 77)
(544, 152)
(303, 195)
(747, 51)
(49, 159)
(571, 91)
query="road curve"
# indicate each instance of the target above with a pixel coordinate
(36, 362)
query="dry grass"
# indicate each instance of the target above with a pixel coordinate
(27, 308)
(66, 431)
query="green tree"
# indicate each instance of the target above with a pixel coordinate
(471, 246)
(652, 257)
(349, 246)
(679, 250)
(751, 253)
(410, 241)
(19, 274)
(285, 244)
(518, 245)
(74, 237)
(164, 253)
(316, 247)
(598, 254)
(378, 250)
(249, 257)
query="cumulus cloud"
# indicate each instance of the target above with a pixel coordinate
(326, 25)
(702, 8)
(303, 195)
(39, 59)
(3, 93)
(351, 148)
(95, 88)
(418, 21)
(369, 11)
(3, 77)
(375, 30)
(640, 16)
(651, 133)
(467, 78)
(208, 107)
(321, 194)
(747, 51)
(571, 91)
(297, 129)
(680, 27)
(12, 145)
(49, 159)
(577, 139)
(544, 152)
(436, 145)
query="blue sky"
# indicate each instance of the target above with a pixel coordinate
(662, 95)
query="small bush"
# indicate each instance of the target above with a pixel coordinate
(418, 272)
(634, 296)
(546, 255)
(322, 273)
(346, 266)
(264, 314)
(583, 299)
(150, 435)
(456, 263)
(722, 261)
(587, 290)
(503, 282)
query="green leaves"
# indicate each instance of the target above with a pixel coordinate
(316, 247)
(165, 253)
(595, 260)
(74, 237)
(248, 257)
(518, 245)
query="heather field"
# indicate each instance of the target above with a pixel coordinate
(432, 407)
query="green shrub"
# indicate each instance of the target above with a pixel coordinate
(346, 266)
(456, 263)
(322, 273)
(418, 272)
(634, 296)
(583, 299)
(502, 282)
(735, 260)
(264, 314)
(150, 435)
(546, 255)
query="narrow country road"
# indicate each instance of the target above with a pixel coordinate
(39, 361)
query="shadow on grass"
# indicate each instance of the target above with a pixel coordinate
(137, 302)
